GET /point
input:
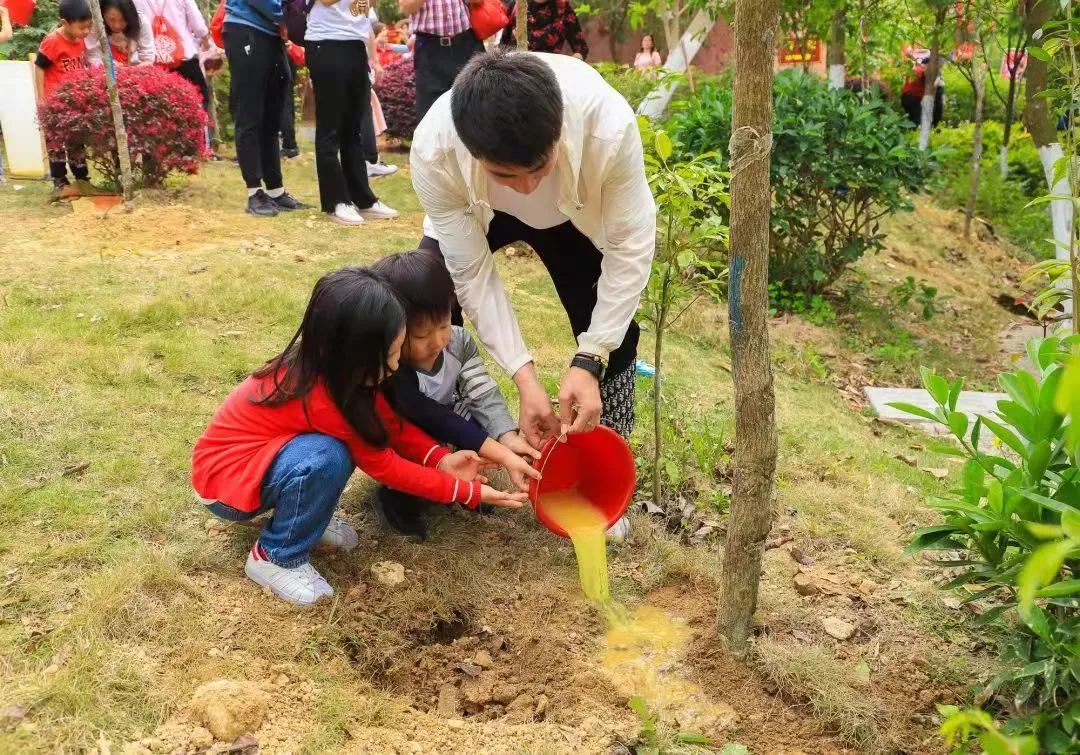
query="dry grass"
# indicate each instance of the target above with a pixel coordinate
(812, 675)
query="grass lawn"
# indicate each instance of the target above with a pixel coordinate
(119, 336)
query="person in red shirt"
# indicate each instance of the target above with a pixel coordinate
(63, 52)
(287, 439)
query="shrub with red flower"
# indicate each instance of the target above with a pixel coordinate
(397, 95)
(163, 117)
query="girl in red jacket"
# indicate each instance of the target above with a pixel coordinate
(289, 436)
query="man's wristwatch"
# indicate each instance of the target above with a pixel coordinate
(591, 363)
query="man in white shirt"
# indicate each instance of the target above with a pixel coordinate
(537, 148)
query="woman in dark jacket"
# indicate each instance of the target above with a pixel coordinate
(552, 24)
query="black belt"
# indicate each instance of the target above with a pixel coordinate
(449, 41)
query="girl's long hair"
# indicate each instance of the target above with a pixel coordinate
(127, 9)
(351, 322)
(652, 41)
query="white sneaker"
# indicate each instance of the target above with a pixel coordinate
(619, 531)
(379, 211)
(301, 585)
(380, 169)
(338, 534)
(347, 214)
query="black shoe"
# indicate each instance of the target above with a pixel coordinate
(261, 205)
(401, 513)
(290, 153)
(287, 203)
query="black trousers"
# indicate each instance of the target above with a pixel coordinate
(192, 71)
(573, 263)
(437, 62)
(339, 76)
(913, 107)
(258, 82)
(288, 112)
(368, 140)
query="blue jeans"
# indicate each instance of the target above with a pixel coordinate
(302, 486)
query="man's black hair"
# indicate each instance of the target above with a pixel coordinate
(421, 280)
(74, 10)
(508, 108)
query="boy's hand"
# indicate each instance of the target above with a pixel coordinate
(516, 442)
(499, 498)
(465, 465)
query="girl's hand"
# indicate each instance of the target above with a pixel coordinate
(502, 500)
(516, 442)
(464, 465)
(377, 69)
(520, 470)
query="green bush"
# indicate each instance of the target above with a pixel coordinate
(632, 84)
(1012, 535)
(839, 164)
(27, 38)
(1002, 201)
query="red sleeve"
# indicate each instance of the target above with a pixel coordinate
(296, 54)
(217, 23)
(395, 472)
(418, 477)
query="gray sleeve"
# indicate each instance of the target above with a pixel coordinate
(478, 390)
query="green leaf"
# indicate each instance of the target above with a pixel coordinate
(918, 411)
(1064, 589)
(1041, 568)
(1038, 52)
(1070, 522)
(1038, 461)
(958, 423)
(690, 738)
(1007, 436)
(1044, 531)
(663, 145)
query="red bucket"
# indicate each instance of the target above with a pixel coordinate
(599, 463)
(20, 10)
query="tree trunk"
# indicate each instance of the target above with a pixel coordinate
(1041, 124)
(1010, 114)
(837, 40)
(933, 69)
(864, 49)
(521, 25)
(114, 101)
(679, 57)
(658, 427)
(755, 420)
(979, 77)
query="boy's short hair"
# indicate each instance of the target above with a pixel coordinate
(421, 279)
(74, 10)
(507, 108)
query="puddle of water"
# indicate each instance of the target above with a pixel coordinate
(642, 649)
(642, 654)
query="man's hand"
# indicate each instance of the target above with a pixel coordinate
(501, 499)
(579, 402)
(535, 415)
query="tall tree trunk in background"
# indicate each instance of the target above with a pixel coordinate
(114, 101)
(755, 418)
(1010, 106)
(978, 72)
(837, 41)
(864, 49)
(521, 25)
(1042, 126)
(933, 69)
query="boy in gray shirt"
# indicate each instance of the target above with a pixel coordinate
(441, 384)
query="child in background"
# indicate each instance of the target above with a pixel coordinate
(130, 38)
(63, 52)
(442, 384)
(287, 439)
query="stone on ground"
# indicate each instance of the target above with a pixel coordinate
(229, 708)
(389, 573)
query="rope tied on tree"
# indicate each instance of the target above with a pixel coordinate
(746, 146)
